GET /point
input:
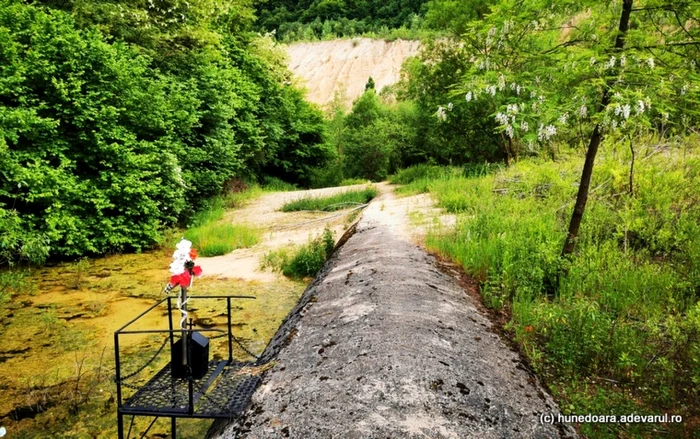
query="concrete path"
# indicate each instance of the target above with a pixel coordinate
(384, 345)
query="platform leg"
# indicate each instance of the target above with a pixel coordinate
(173, 427)
(120, 426)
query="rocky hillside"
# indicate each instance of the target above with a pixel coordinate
(344, 66)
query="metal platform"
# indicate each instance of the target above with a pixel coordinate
(224, 391)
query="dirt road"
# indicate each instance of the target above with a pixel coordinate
(383, 344)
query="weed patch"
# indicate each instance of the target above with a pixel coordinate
(334, 202)
(304, 261)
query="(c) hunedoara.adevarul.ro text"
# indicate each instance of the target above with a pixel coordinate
(610, 419)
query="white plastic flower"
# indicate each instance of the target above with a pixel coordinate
(180, 257)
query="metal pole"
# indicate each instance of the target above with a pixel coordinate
(117, 373)
(230, 345)
(173, 427)
(170, 322)
(183, 324)
(120, 425)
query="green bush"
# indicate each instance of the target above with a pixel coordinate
(334, 202)
(114, 128)
(309, 258)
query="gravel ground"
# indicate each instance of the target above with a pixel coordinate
(384, 344)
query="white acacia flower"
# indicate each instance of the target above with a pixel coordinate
(546, 133)
(501, 82)
(469, 96)
(684, 89)
(517, 90)
(450, 106)
(563, 118)
(512, 108)
(501, 118)
(650, 61)
(532, 94)
(491, 89)
(507, 26)
(524, 127)
(593, 61)
(626, 111)
(441, 114)
(583, 111)
(623, 61)
(611, 63)
(640, 107)
(509, 131)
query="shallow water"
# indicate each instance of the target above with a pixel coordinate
(57, 348)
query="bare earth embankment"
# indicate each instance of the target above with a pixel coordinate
(384, 344)
(344, 66)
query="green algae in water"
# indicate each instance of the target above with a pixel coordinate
(68, 320)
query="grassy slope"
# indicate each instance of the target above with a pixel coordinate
(621, 334)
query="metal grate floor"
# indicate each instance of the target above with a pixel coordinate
(223, 392)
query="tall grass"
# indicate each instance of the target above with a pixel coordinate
(333, 202)
(211, 235)
(304, 261)
(219, 238)
(618, 327)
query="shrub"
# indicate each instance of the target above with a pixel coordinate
(309, 258)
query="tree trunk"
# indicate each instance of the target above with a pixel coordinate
(632, 167)
(596, 138)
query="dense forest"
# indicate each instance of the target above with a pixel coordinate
(310, 19)
(119, 119)
(326, 19)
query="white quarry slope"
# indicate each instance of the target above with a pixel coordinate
(344, 66)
